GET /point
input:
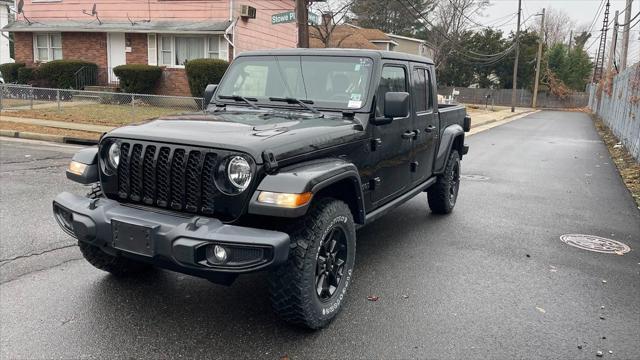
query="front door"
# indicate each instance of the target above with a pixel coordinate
(115, 53)
(392, 173)
(425, 123)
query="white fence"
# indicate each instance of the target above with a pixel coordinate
(619, 108)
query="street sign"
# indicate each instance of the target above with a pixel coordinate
(282, 18)
(290, 16)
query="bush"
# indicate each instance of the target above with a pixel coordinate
(26, 75)
(202, 72)
(138, 78)
(61, 73)
(10, 71)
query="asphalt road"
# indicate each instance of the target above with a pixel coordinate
(491, 280)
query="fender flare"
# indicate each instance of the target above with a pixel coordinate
(311, 176)
(449, 135)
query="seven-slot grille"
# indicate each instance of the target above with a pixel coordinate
(177, 178)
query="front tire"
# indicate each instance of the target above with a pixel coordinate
(310, 288)
(443, 194)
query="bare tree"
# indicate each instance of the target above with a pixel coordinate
(557, 27)
(332, 14)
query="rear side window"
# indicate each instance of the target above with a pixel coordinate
(429, 90)
(394, 79)
(420, 90)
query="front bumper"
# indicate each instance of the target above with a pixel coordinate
(169, 240)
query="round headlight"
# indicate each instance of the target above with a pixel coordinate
(239, 172)
(114, 155)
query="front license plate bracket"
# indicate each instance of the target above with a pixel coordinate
(137, 239)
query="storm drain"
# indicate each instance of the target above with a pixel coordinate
(474, 177)
(595, 243)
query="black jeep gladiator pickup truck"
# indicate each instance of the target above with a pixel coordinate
(296, 150)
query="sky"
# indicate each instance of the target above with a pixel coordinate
(581, 11)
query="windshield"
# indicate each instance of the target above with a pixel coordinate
(326, 81)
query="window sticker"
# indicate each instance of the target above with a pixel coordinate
(353, 104)
(356, 97)
(357, 67)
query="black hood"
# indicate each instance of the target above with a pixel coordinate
(284, 134)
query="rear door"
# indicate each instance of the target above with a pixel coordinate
(425, 123)
(392, 174)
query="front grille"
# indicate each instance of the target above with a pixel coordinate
(179, 178)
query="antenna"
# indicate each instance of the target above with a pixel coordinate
(21, 11)
(93, 12)
(131, 21)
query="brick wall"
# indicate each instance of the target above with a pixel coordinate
(85, 46)
(24, 47)
(173, 82)
(138, 44)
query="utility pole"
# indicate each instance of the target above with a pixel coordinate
(302, 19)
(625, 36)
(598, 69)
(614, 43)
(515, 63)
(539, 57)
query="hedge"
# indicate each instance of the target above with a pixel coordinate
(202, 72)
(138, 78)
(10, 71)
(61, 73)
(26, 75)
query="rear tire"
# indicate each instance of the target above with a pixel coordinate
(117, 265)
(443, 194)
(309, 289)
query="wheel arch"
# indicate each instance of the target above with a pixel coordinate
(452, 139)
(336, 178)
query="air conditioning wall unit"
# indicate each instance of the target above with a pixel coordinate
(248, 12)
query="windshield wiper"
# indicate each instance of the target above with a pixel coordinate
(303, 103)
(249, 101)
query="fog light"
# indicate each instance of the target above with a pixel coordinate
(217, 254)
(284, 199)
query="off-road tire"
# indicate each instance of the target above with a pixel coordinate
(116, 265)
(292, 286)
(441, 200)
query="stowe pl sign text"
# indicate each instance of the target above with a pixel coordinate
(290, 16)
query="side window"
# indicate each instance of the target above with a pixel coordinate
(429, 90)
(420, 90)
(394, 79)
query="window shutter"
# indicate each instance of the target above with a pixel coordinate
(152, 49)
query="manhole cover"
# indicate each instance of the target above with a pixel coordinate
(595, 243)
(474, 177)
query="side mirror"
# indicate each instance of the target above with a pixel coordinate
(396, 104)
(209, 91)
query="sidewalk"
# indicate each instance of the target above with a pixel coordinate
(70, 132)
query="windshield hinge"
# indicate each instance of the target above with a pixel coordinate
(270, 162)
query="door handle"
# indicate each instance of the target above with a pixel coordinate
(417, 133)
(408, 134)
(430, 128)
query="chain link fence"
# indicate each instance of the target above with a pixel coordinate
(524, 98)
(619, 107)
(123, 107)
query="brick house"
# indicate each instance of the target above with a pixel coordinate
(157, 32)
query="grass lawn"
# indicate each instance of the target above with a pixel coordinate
(98, 114)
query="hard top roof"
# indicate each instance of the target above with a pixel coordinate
(375, 54)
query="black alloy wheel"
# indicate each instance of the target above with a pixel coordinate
(330, 264)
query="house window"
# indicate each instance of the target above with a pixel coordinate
(47, 47)
(176, 50)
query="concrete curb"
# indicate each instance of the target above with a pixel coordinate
(47, 137)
